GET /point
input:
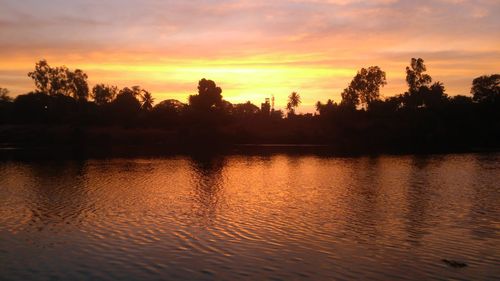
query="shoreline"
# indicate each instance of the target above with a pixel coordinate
(155, 151)
(49, 141)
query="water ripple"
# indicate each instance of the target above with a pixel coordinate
(252, 217)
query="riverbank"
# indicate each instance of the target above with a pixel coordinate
(38, 141)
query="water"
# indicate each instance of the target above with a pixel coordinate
(273, 217)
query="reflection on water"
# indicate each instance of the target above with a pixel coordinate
(251, 217)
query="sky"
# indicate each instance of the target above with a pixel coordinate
(253, 49)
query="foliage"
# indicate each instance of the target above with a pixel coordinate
(415, 76)
(147, 100)
(294, 101)
(424, 118)
(126, 101)
(486, 89)
(103, 94)
(209, 96)
(60, 81)
(364, 88)
(245, 109)
(425, 96)
(324, 109)
(4, 95)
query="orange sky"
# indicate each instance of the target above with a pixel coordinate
(252, 49)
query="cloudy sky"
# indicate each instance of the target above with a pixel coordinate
(252, 48)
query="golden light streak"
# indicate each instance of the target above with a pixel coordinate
(251, 78)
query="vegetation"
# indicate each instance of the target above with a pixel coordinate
(364, 88)
(293, 102)
(62, 110)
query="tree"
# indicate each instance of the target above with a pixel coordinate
(79, 87)
(277, 114)
(350, 98)
(32, 107)
(461, 101)
(6, 105)
(294, 101)
(60, 81)
(137, 91)
(435, 96)
(147, 100)
(246, 109)
(126, 106)
(41, 76)
(4, 95)
(424, 97)
(486, 89)
(171, 104)
(415, 76)
(103, 94)
(364, 87)
(209, 96)
(319, 106)
(328, 107)
(168, 113)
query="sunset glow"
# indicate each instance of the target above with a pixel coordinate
(252, 49)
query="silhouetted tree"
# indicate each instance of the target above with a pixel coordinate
(486, 89)
(386, 107)
(350, 98)
(4, 95)
(463, 100)
(425, 97)
(78, 85)
(168, 113)
(245, 109)
(126, 106)
(318, 106)
(62, 109)
(328, 107)
(415, 76)
(32, 107)
(364, 87)
(171, 104)
(424, 118)
(225, 108)
(137, 91)
(265, 108)
(207, 113)
(41, 75)
(147, 100)
(435, 96)
(294, 101)
(277, 114)
(421, 94)
(6, 106)
(103, 94)
(60, 80)
(209, 96)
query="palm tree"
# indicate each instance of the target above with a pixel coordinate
(147, 100)
(293, 102)
(136, 91)
(319, 107)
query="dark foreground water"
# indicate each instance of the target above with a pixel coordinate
(252, 218)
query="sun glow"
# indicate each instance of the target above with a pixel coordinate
(252, 50)
(242, 79)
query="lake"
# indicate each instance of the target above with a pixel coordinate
(252, 217)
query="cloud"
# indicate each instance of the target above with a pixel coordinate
(301, 38)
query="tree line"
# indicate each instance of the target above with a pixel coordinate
(424, 117)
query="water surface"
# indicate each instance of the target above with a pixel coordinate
(278, 217)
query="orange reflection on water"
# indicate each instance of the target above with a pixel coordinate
(254, 216)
